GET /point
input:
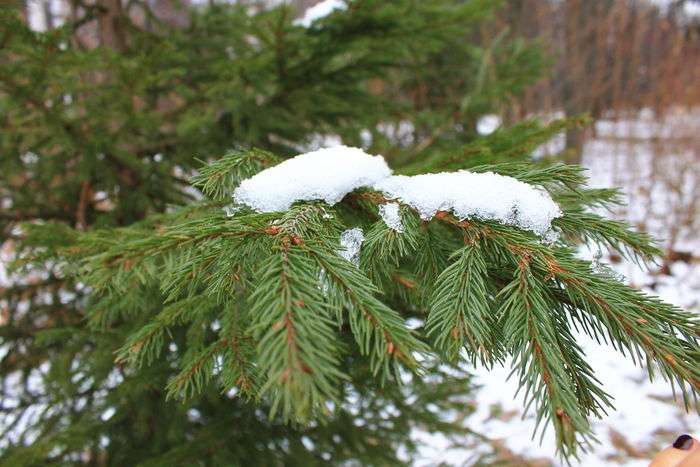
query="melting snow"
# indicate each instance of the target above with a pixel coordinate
(350, 243)
(320, 10)
(391, 216)
(327, 174)
(482, 195)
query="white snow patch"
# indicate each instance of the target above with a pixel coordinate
(318, 11)
(350, 243)
(231, 210)
(487, 196)
(401, 133)
(640, 408)
(327, 174)
(488, 124)
(391, 216)
(320, 140)
(108, 413)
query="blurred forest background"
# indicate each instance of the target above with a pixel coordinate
(106, 104)
(609, 58)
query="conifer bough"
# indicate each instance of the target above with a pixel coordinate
(485, 290)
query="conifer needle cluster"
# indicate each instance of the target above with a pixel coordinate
(279, 297)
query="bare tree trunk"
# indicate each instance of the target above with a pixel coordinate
(573, 67)
(110, 25)
(48, 14)
(24, 11)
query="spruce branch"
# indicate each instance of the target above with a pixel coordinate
(146, 344)
(553, 177)
(297, 350)
(435, 244)
(590, 228)
(506, 144)
(648, 329)
(379, 331)
(384, 248)
(460, 310)
(218, 179)
(198, 369)
(239, 369)
(549, 362)
(551, 369)
(287, 305)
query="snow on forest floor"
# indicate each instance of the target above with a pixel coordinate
(658, 167)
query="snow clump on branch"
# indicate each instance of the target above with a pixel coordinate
(331, 173)
(350, 244)
(486, 196)
(318, 11)
(328, 174)
(391, 216)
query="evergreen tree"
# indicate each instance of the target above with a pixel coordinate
(196, 306)
(102, 136)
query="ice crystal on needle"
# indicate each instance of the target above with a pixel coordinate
(350, 243)
(391, 216)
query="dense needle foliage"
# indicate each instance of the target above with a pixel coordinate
(283, 298)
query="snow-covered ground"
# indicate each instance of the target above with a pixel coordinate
(658, 166)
